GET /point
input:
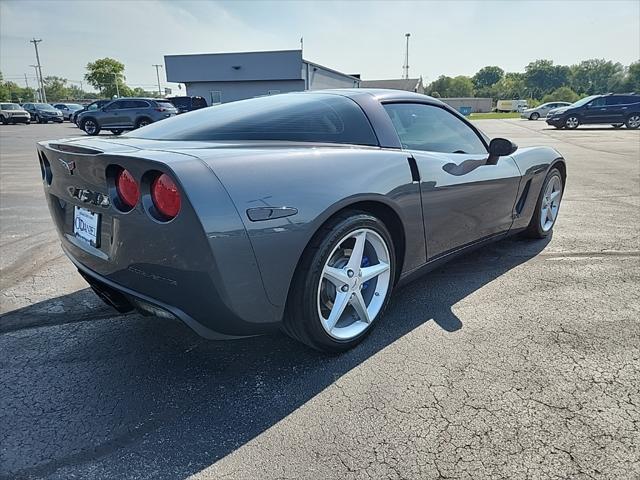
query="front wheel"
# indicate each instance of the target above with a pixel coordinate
(633, 121)
(535, 116)
(572, 122)
(90, 126)
(342, 284)
(547, 207)
(4, 120)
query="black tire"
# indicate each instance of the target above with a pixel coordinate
(571, 122)
(143, 122)
(90, 126)
(534, 116)
(4, 120)
(28, 122)
(116, 131)
(534, 229)
(301, 319)
(633, 121)
(38, 119)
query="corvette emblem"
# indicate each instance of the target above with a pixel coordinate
(70, 165)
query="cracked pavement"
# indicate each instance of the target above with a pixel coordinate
(518, 361)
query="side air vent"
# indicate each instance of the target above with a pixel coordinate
(523, 198)
(61, 147)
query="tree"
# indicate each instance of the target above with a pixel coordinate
(141, 92)
(56, 88)
(487, 77)
(542, 76)
(12, 92)
(104, 73)
(441, 85)
(562, 94)
(512, 86)
(632, 78)
(460, 86)
(596, 76)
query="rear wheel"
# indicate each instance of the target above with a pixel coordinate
(547, 207)
(143, 122)
(342, 284)
(535, 116)
(90, 126)
(572, 122)
(633, 121)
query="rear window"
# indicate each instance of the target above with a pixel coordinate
(199, 102)
(306, 117)
(182, 102)
(166, 104)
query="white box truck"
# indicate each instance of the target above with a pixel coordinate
(511, 105)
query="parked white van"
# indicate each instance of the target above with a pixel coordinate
(511, 105)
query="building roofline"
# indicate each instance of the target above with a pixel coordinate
(232, 53)
(331, 70)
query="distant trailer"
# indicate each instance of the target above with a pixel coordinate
(477, 105)
(511, 105)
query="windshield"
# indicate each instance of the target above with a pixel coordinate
(44, 106)
(10, 106)
(295, 117)
(583, 101)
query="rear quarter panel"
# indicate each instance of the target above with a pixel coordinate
(318, 182)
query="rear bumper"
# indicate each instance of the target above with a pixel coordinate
(124, 300)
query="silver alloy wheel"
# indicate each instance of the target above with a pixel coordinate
(550, 203)
(634, 121)
(143, 123)
(572, 122)
(535, 116)
(354, 284)
(90, 127)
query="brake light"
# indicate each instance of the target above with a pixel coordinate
(165, 196)
(127, 187)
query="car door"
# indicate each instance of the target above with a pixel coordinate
(111, 116)
(463, 199)
(595, 111)
(615, 108)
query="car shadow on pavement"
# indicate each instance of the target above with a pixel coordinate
(89, 394)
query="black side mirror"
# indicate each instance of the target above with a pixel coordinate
(500, 147)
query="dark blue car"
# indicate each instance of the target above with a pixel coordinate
(613, 109)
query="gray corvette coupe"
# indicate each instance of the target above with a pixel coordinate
(298, 211)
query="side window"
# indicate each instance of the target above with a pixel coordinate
(114, 105)
(93, 106)
(434, 129)
(614, 100)
(598, 102)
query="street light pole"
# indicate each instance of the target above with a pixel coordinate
(43, 93)
(158, 77)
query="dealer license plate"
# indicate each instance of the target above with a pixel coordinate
(86, 225)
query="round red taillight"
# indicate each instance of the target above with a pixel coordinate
(165, 196)
(127, 187)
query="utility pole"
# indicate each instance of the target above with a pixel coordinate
(35, 44)
(158, 77)
(39, 89)
(26, 82)
(405, 68)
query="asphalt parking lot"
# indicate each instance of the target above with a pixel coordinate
(518, 361)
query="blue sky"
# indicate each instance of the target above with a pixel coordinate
(453, 38)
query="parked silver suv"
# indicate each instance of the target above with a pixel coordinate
(125, 114)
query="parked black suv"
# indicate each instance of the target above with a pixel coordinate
(616, 109)
(186, 104)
